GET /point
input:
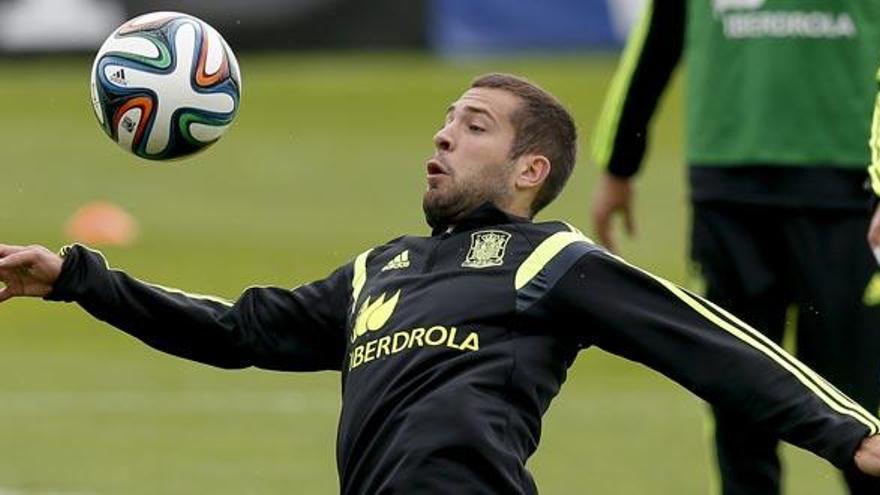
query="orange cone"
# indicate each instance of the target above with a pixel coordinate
(101, 223)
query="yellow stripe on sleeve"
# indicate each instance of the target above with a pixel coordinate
(543, 254)
(606, 128)
(577, 231)
(874, 144)
(191, 295)
(870, 420)
(826, 392)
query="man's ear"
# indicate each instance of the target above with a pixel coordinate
(533, 171)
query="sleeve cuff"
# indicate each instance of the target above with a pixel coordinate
(77, 268)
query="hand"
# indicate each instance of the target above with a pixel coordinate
(874, 235)
(27, 271)
(868, 456)
(612, 195)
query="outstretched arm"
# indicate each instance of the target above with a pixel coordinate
(269, 327)
(619, 141)
(631, 313)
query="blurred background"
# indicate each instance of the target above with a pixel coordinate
(340, 100)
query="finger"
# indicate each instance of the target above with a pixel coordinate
(606, 235)
(10, 280)
(6, 250)
(5, 294)
(629, 222)
(607, 240)
(18, 259)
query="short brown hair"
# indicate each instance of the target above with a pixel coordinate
(542, 126)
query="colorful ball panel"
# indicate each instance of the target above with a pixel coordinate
(165, 85)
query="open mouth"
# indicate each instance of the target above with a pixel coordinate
(435, 168)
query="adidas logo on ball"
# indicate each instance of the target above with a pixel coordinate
(119, 77)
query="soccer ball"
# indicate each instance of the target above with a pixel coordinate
(165, 85)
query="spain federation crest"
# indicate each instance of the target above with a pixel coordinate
(487, 249)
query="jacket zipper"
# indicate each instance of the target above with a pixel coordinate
(432, 256)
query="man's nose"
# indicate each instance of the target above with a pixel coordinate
(443, 140)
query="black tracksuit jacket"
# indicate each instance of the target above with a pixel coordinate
(451, 348)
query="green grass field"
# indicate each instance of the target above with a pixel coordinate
(325, 160)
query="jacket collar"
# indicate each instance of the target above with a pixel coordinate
(482, 216)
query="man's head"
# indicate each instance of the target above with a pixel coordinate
(506, 141)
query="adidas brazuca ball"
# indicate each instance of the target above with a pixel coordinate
(165, 85)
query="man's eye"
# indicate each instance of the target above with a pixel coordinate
(476, 128)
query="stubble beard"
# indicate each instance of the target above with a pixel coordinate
(444, 208)
(448, 205)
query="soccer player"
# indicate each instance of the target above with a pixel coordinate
(451, 346)
(779, 96)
